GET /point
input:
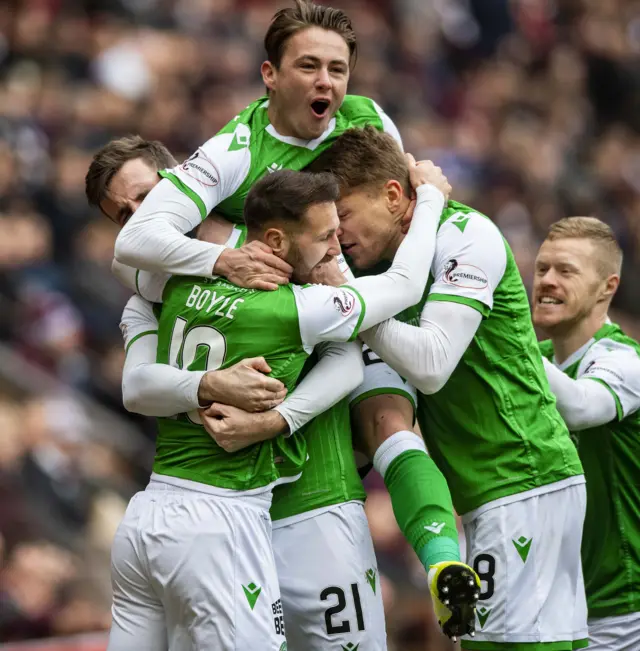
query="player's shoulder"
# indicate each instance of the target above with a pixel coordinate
(459, 216)
(461, 225)
(360, 111)
(546, 349)
(250, 117)
(612, 341)
(239, 133)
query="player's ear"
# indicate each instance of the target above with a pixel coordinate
(268, 72)
(610, 287)
(394, 195)
(277, 240)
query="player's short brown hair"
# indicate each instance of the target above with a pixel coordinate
(286, 195)
(590, 228)
(108, 161)
(364, 159)
(287, 22)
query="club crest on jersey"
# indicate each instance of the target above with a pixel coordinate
(344, 302)
(200, 168)
(464, 275)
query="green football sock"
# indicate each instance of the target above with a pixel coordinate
(420, 498)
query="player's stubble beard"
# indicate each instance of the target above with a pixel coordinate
(302, 264)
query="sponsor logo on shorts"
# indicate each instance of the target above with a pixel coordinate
(200, 168)
(483, 615)
(370, 575)
(278, 620)
(252, 592)
(344, 302)
(464, 275)
(434, 527)
(523, 545)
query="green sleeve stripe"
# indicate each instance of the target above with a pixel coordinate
(138, 336)
(463, 300)
(187, 190)
(363, 311)
(384, 392)
(619, 410)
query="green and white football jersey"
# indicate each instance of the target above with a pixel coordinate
(610, 455)
(493, 429)
(207, 324)
(331, 475)
(220, 173)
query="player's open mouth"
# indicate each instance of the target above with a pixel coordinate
(320, 107)
(346, 247)
(549, 300)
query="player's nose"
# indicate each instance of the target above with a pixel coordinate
(323, 79)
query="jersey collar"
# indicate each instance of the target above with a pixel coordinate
(299, 142)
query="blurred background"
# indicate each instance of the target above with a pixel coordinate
(532, 107)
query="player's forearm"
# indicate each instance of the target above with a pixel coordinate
(154, 389)
(154, 238)
(426, 355)
(338, 372)
(581, 403)
(403, 284)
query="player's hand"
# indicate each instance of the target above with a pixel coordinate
(424, 172)
(253, 266)
(234, 429)
(327, 274)
(244, 385)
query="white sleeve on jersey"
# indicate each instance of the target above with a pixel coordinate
(338, 314)
(338, 371)
(328, 314)
(616, 366)
(149, 388)
(470, 261)
(426, 355)
(380, 379)
(388, 125)
(149, 286)
(154, 238)
(581, 404)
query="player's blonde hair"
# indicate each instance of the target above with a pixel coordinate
(609, 258)
(364, 159)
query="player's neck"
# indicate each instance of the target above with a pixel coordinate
(565, 343)
(279, 121)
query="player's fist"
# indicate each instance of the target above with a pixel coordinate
(424, 172)
(253, 266)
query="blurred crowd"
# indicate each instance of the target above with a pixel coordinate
(532, 107)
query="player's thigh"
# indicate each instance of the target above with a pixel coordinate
(138, 619)
(527, 555)
(621, 633)
(329, 582)
(211, 560)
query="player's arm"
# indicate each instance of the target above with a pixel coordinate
(338, 372)
(154, 237)
(608, 389)
(159, 390)
(340, 313)
(468, 266)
